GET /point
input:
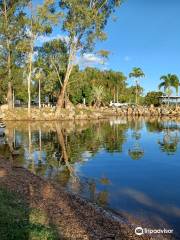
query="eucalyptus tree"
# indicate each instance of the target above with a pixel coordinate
(84, 23)
(52, 58)
(169, 81)
(136, 73)
(40, 21)
(12, 26)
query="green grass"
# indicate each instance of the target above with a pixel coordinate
(19, 222)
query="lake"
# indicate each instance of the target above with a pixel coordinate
(131, 166)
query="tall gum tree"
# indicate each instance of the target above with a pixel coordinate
(11, 27)
(84, 23)
(52, 58)
(40, 21)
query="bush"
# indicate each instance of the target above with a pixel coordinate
(153, 98)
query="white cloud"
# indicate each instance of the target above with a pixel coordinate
(89, 59)
(127, 58)
(44, 39)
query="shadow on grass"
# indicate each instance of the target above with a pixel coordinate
(19, 222)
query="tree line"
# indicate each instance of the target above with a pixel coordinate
(50, 72)
(22, 22)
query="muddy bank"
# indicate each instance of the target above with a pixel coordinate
(73, 217)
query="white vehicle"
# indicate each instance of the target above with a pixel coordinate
(117, 104)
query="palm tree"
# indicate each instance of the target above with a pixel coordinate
(170, 80)
(136, 73)
(136, 152)
(169, 144)
(176, 84)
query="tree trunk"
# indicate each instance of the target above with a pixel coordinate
(9, 96)
(64, 152)
(114, 94)
(29, 89)
(9, 93)
(40, 145)
(136, 94)
(13, 99)
(61, 97)
(29, 78)
(39, 93)
(176, 98)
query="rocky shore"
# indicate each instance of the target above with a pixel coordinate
(81, 112)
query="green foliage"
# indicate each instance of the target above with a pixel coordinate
(130, 94)
(98, 94)
(152, 98)
(175, 83)
(52, 59)
(168, 81)
(12, 31)
(136, 74)
(91, 78)
(84, 21)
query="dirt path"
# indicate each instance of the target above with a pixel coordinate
(73, 217)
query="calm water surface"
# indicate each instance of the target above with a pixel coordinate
(130, 166)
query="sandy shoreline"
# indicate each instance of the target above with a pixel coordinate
(74, 217)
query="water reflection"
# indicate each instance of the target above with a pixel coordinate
(171, 137)
(136, 152)
(94, 159)
(44, 148)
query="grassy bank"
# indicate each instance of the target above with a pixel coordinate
(19, 222)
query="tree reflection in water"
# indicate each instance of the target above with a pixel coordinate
(169, 143)
(100, 197)
(136, 152)
(55, 149)
(170, 129)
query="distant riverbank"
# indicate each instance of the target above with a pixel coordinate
(82, 112)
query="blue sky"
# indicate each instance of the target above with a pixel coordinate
(146, 34)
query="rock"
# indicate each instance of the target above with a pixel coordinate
(69, 105)
(129, 111)
(4, 107)
(164, 112)
(80, 106)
